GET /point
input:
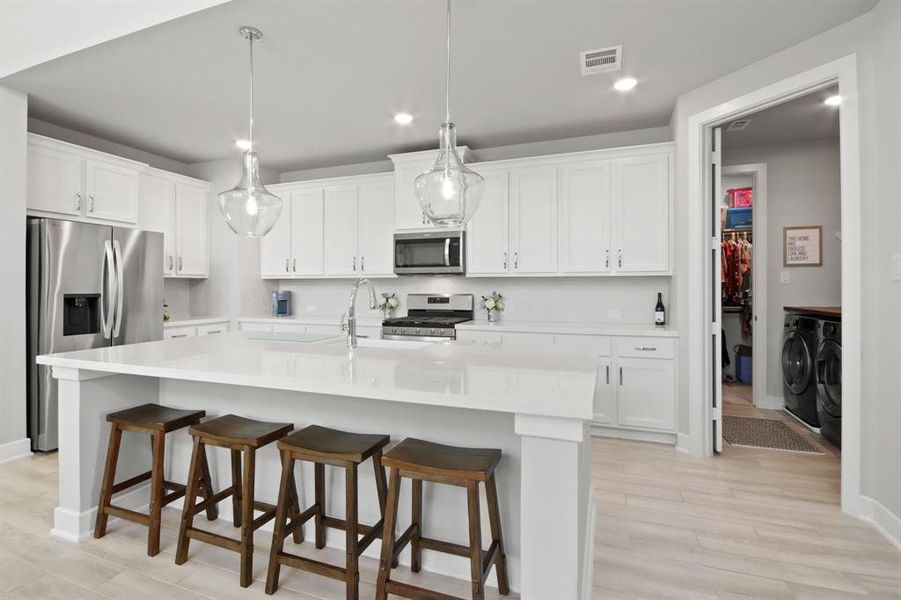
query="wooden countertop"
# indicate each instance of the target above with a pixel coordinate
(833, 312)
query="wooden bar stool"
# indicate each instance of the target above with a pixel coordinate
(466, 467)
(238, 434)
(322, 446)
(156, 421)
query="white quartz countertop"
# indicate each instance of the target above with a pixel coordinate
(576, 328)
(194, 322)
(318, 319)
(480, 376)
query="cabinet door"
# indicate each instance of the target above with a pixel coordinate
(645, 396)
(533, 220)
(376, 228)
(604, 394)
(156, 212)
(112, 191)
(192, 231)
(641, 214)
(275, 246)
(487, 234)
(212, 328)
(585, 217)
(170, 333)
(306, 232)
(407, 212)
(55, 181)
(341, 230)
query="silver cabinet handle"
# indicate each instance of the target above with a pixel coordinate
(516, 259)
(620, 251)
(608, 374)
(646, 348)
(620, 375)
(179, 263)
(294, 265)
(287, 265)
(178, 335)
(91, 203)
(607, 258)
(78, 201)
(447, 252)
(505, 261)
(214, 331)
(363, 263)
(170, 262)
(355, 264)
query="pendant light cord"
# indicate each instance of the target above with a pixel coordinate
(250, 37)
(447, 67)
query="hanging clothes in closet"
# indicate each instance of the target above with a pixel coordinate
(737, 251)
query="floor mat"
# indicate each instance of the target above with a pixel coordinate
(764, 433)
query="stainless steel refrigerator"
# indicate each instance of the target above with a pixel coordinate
(88, 286)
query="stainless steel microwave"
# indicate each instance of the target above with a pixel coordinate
(429, 253)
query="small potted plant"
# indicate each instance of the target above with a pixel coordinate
(494, 304)
(387, 303)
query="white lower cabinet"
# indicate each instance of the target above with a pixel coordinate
(170, 333)
(179, 331)
(645, 397)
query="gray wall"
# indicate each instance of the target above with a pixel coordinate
(803, 188)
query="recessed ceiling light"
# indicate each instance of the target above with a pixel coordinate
(403, 118)
(243, 144)
(833, 100)
(625, 84)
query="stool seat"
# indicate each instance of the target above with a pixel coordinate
(321, 442)
(232, 429)
(475, 464)
(156, 417)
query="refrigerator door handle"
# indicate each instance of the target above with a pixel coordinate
(106, 308)
(120, 291)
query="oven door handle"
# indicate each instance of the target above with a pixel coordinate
(447, 252)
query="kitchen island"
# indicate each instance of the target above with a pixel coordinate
(532, 403)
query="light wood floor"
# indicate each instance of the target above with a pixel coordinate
(749, 524)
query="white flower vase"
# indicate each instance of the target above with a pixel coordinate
(494, 315)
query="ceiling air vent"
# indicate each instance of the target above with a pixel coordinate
(602, 60)
(738, 125)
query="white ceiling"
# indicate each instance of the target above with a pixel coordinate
(804, 118)
(330, 74)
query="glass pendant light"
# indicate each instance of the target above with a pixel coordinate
(449, 192)
(249, 208)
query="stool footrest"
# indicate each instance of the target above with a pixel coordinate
(213, 538)
(342, 525)
(263, 519)
(415, 592)
(490, 557)
(124, 485)
(128, 515)
(313, 566)
(403, 540)
(172, 496)
(370, 536)
(263, 506)
(446, 547)
(214, 499)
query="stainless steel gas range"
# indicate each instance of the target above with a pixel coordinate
(430, 317)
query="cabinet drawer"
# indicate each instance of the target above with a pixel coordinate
(594, 345)
(642, 347)
(212, 329)
(255, 326)
(179, 332)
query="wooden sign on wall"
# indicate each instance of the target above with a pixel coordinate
(802, 246)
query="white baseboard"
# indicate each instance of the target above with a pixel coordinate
(884, 520)
(771, 403)
(15, 450)
(658, 437)
(588, 558)
(74, 526)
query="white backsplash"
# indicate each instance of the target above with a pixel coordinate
(606, 300)
(177, 294)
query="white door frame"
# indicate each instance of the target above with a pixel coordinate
(700, 293)
(757, 171)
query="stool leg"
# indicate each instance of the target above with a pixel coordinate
(206, 489)
(350, 519)
(494, 519)
(247, 517)
(416, 557)
(294, 506)
(281, 518)
(381, 591)
(187, 513)
(319, 471)
(381, 484)
(475, 539)
(236, 487)
(109, 478)
(156, 492)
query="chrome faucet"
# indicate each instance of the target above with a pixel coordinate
(351, 326)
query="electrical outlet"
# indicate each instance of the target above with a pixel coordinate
(896, 267)
(785, 277)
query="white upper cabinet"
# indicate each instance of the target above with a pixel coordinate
(192, 230)
(375, 215)
(178, 207)
(407, 167)
(533, 220)
(641, 213)
(70, 180)
(275, 246)
(487, 234)
(306, 232)
(585, 198)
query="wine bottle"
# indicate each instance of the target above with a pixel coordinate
(659, 311)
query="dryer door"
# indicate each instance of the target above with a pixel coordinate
(797, 362)
(829, 377)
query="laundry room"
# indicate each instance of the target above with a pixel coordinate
(781, 250)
